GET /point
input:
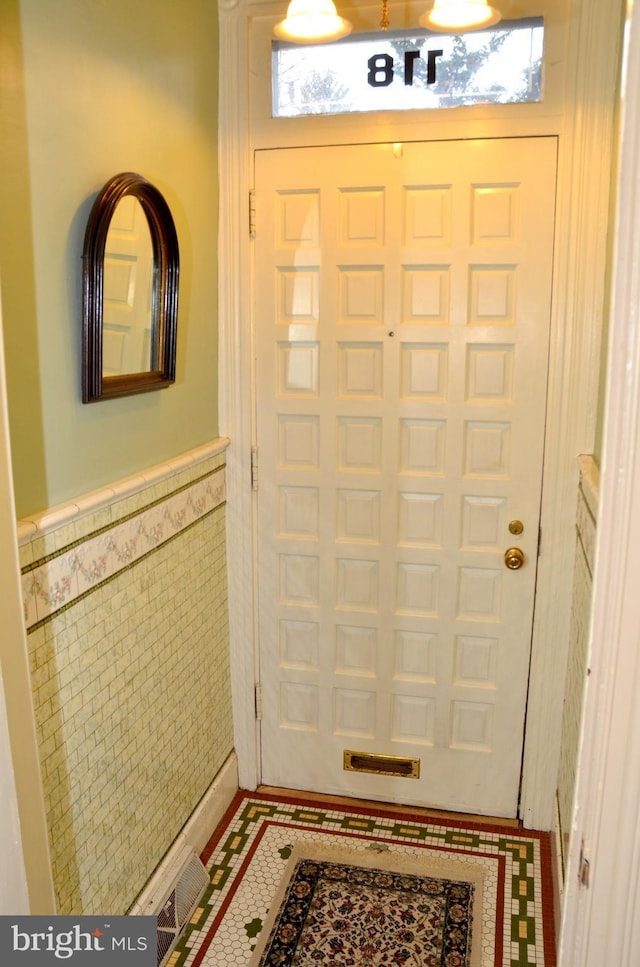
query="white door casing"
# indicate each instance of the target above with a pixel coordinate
(25, 862)
(402, 312)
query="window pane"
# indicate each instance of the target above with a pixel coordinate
(401, 70)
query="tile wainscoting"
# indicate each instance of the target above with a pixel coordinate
(125, 603)
(586, 520)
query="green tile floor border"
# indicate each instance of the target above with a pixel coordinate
(523, 939)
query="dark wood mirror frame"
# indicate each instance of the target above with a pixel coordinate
(166, 266)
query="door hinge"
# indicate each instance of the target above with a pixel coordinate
(252, 213)
(539, 541)
(258, 699)
(254, 468)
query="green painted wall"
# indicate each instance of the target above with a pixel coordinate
(89, 89)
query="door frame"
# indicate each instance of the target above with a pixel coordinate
(584, 124)
(27, 887)
(602, 924)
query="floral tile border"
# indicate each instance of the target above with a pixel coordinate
(57, 580)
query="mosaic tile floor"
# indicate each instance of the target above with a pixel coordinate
(248, 853)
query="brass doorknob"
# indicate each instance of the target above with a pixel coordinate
(513, 558)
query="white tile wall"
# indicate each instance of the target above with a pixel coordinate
(586, 516)
(126, 611)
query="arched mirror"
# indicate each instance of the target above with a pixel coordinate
(130, 288)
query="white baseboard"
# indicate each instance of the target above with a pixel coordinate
(212, 806)
(194, 835)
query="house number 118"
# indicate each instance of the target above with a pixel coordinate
(381, 68)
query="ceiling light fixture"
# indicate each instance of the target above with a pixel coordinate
(312, 22)
(453, 16)
(317, 21)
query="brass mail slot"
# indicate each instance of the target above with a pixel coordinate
(382, 765)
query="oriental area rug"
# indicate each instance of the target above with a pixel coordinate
(297, 882)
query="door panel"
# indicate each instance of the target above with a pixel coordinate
(402, 306)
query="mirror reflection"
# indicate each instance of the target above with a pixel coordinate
(127, 338)
(131, 265)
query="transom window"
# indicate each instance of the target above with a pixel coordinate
(404, 70)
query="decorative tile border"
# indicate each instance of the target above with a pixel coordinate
(55, 580)
(247, 856)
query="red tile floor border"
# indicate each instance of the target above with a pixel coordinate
(251, 844)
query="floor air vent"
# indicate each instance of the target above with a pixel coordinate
(184, 883)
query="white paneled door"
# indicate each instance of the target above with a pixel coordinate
(402, 308)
